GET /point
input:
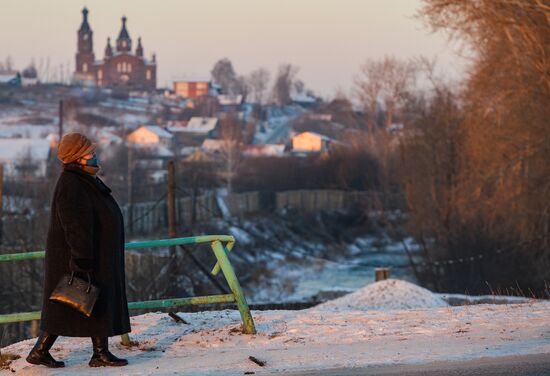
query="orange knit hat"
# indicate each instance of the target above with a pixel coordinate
(73, 146)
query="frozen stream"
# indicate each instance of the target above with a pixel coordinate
(321, 275)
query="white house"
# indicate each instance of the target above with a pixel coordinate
(198, 125)
(230, 99)
(195, 131)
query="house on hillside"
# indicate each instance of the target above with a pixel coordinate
(304, 100)
(230, 102)
(153, 145)
(151, 135)
(311, 142)
(212, 146)
(24, 157)
(194, 88)
(264, 150)
(195, 132)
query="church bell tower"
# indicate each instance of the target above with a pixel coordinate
(85, 49)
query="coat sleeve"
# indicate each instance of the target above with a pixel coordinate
(76, 215)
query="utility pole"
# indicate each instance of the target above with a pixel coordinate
(1, 202)
(130, 189)
(171, 199)
(60, 120)
(171, 202)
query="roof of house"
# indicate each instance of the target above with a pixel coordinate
(192, 79)
(230, 99)
(321, 136)
(200, 125)
(264, 150)
(156, 130)
(302, 98)
(211, 144)
(18, 148)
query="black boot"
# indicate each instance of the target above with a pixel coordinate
(40, 353)
(102, 356)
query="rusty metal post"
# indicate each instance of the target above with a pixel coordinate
(381, 274)
(34, 328)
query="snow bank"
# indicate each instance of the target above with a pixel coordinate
(385, 295)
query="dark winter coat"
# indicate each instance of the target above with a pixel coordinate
(86, 233)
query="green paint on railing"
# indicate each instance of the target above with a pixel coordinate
(228, 249)
(22, 256)
(149, 304)
(177, 302)
(134, 245)
(179, 241)
(220, 251)
(19, 317)
(231, 278)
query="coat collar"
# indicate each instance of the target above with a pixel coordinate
(94, 180)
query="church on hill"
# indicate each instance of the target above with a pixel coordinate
(120, 67)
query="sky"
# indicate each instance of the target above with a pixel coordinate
(327, 39)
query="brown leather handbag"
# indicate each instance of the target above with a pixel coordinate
(76, 293)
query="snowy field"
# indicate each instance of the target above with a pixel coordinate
(386, 323)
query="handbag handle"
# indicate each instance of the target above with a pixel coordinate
(89, 282)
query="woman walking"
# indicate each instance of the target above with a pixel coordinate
(85, 236)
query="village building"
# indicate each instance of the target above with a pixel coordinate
(149, 135)
(120, 67)
(191, 89)
(264, 150)
(311, 142)
(195, 131)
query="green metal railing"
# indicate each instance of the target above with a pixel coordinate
(221, 245)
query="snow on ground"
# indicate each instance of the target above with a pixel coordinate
(385, 295)
(310, 339)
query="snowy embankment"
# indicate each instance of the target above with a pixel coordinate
(370, 327)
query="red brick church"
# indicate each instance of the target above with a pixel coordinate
(120, 67)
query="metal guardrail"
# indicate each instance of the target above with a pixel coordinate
(218, 248)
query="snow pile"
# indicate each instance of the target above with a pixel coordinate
(385, 295)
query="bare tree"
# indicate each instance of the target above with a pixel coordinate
(388, 80)
(231, 137)
(503, 170)
(282, 89)
(258, 82)
(224, 75)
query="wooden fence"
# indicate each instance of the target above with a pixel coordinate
(151, 216)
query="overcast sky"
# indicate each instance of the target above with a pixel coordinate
(327, 39)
